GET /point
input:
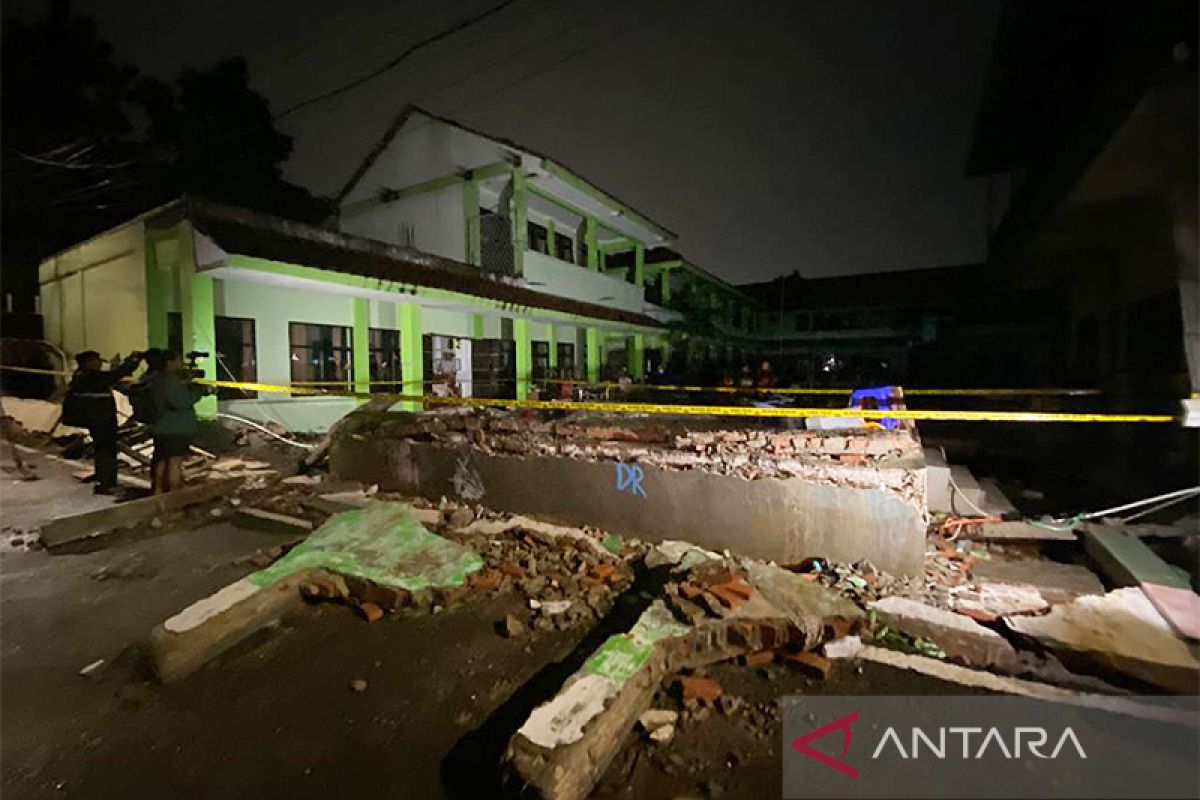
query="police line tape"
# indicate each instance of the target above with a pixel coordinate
(676, 409)
(694, 410)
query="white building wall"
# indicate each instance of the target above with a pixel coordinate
(434, 221)
(549, 275)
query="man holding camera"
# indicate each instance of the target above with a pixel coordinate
(89, 404)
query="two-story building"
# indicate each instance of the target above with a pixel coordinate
(461, 263)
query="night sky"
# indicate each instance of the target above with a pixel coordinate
(824, 137)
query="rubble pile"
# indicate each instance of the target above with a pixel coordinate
(565, 582)
(749, 451)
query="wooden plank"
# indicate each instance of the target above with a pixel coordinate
(93, 523)
(1019, 531)
(1127, 560)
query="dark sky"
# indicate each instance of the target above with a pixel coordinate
(824, 137)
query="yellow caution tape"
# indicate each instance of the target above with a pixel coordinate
(687, 410)
(716, 411)
(1047, 392)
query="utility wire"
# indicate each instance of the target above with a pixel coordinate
(397, 60)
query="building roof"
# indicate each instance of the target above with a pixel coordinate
(410, 109)
(245, 232)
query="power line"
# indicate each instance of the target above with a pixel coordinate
(394, 62)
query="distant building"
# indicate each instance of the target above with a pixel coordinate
(1087, 135)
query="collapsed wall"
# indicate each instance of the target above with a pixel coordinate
(756, 490)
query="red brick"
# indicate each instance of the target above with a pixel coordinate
(696, 688)
(370, 612)
(758, 659)
(810, 663)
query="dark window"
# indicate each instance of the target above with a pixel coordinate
(175, 332)
(541, 360)
(564, 248)
(236, 357)
(537, 238)
(385, 361)
(566, 360)
(320, 353)
(493, 368)
(1154, 335)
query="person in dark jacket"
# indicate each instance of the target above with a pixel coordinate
(173, 396)
(91, 403)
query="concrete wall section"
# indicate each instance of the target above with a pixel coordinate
(785, 520)
(549, 275)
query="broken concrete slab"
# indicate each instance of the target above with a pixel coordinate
(847, 510)
(1057, 582)
(382, 550)
(804, 603)
(1121, 630)
(1017, 531)
(979, 679)
(1127, 560)
(567, 743)
(202, 631)
(64, 530)
(957, 635)
(993, 599)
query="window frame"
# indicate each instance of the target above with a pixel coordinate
(346, 350)
(249, 346)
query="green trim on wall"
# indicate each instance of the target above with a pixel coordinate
(519, 214)
(552, 343)
(639, 265)
(412, 353)
(589, 242)
(360, 344)
(156, 304)
(635, 356)
(477, 326)
(524, 357)
(203, 335)
(471, 221)
(594, 354)
(267, 266)
(619, 246)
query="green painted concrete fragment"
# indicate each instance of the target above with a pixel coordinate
(613, 543)
(619, 658)
(383, 543)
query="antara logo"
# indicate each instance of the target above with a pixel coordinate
(939, 744)
(1034, 740)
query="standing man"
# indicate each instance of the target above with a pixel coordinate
(89, 404)
(173, 397)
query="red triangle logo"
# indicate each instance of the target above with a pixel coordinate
(800, 744)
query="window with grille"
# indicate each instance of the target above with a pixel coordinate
(320, 353)
(540, 360)
(237, 359)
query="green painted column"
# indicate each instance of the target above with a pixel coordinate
(635, 356)
(360, 345)
(477, 326)
(550, 236)
(666, 287)
(156, 306)
(519, 216)
(594, 354)
(639, 265)
(471, 221)
(201, 334)
(590, 244)
(524, 353)
(412, 356)
(552, 343)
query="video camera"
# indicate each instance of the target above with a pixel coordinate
(195, 370)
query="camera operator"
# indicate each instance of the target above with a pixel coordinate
(172, 395)
(89, 404)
